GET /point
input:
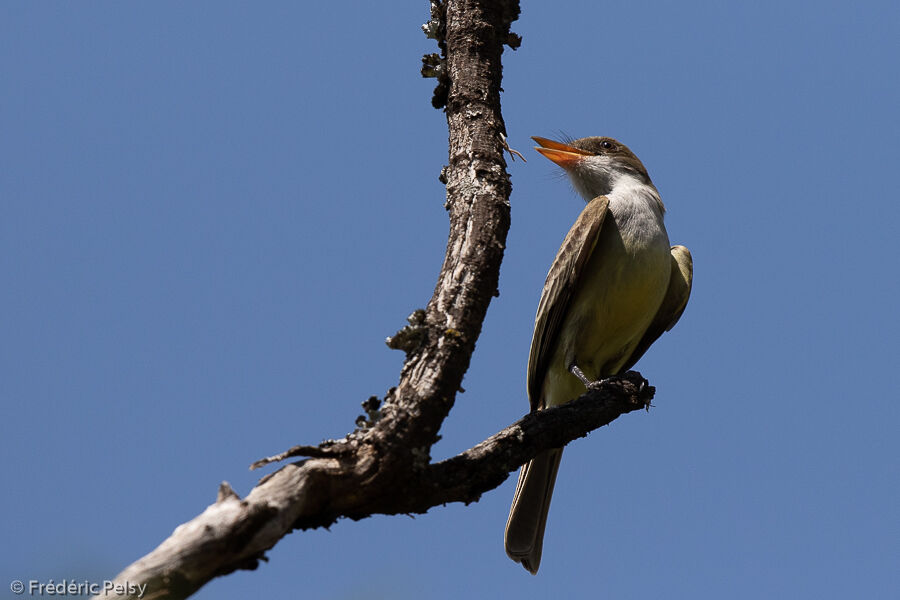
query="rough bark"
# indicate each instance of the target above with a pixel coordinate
(353, 478)
(384, 466)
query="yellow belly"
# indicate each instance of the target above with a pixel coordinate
(619, 293)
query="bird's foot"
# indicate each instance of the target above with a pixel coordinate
(591, 385)
(596, 385)
(580, 375)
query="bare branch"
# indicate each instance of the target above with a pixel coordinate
(384, 466)
(234, 534)
(322, 451)
(360, 475)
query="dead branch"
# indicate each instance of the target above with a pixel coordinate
(385, 467)
(366, 479)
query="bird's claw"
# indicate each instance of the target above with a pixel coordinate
(596, 385)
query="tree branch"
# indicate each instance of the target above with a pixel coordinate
(234, 534)
(384, 466)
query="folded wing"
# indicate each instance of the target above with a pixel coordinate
(673, 303)
(559, 288)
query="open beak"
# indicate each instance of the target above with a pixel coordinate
(562, 154)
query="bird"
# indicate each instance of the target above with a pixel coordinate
(614, 287)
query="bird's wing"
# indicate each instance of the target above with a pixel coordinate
(673, 303)
(559, 290)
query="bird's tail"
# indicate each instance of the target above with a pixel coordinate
(524, 537)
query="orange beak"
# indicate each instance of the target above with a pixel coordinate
(562, 154)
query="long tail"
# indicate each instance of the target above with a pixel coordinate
(524, 537)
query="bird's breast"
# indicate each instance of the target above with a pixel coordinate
(617, 296)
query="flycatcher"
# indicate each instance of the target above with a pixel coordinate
(614, 287)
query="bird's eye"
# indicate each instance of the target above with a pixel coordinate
(606, 145)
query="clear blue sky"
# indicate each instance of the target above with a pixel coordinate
(212, 214)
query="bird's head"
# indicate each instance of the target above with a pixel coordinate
(595, 164)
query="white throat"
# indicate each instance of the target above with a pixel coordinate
(599, 176)
(634, 202)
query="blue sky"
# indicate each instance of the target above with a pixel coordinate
(212, 214)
